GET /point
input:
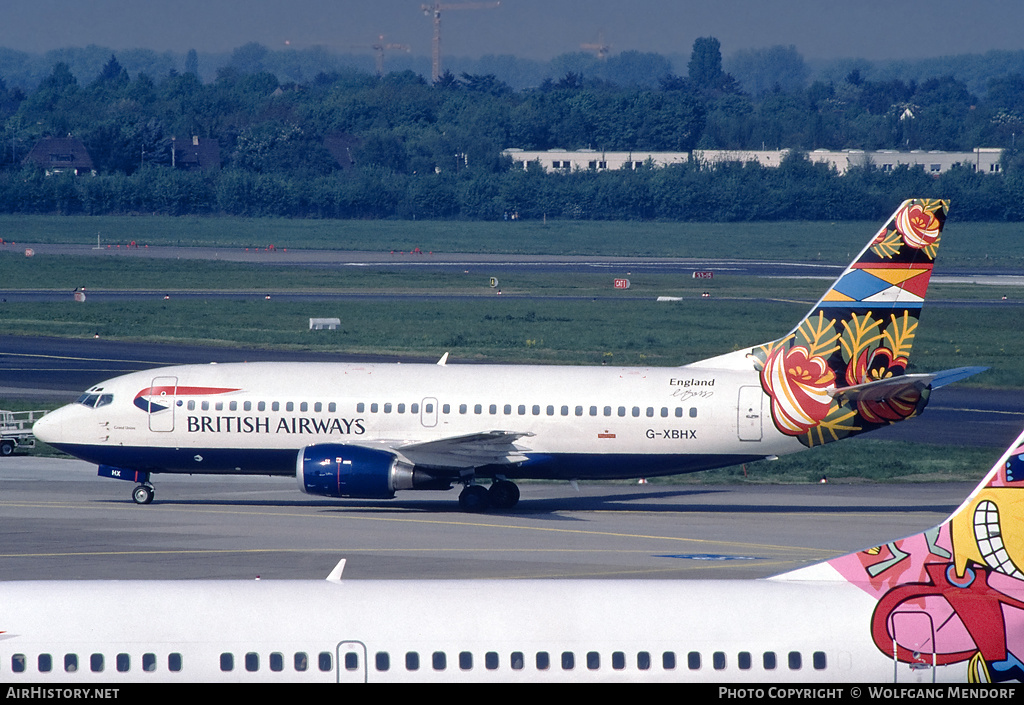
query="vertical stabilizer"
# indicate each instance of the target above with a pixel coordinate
(861, 331)
(953, 594)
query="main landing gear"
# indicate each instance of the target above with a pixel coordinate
(143, 494)
(502, 494)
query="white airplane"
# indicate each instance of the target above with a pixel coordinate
(363, 430)
(943, 605)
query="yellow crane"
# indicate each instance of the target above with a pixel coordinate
(435, 9)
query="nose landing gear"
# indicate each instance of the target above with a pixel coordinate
(143, 494)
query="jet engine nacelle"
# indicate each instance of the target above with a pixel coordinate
(339, 470)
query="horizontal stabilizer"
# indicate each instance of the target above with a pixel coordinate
(885, 389)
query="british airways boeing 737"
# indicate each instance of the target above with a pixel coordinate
(943, 605)
(365, 430)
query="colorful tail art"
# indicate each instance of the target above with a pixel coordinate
(835, 375)
(954, 594)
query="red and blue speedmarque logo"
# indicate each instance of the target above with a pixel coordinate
(153, 400)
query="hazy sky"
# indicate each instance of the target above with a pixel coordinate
(873, 29)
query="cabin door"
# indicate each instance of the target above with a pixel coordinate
(351, 657)
(159, 403)
(914, 631)
(748, 421)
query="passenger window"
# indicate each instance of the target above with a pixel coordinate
(45, 663)
(693, 660)
(247, 406)
(491, 660)
(414, 408)
(679, 412)
(668, 660)
(374, 408)
(593, 411)
(818, 660)
(360, 408)
(227, 662)
(795, 661)
(607, 411)
(463, 408)
(446, 409)
(492, 409)
(148, 662)
(536, 409)
(301, 661)
(618, 660)
(174, 662)
(18, 663)
(304, 407)
(693, 412)
(565, 411)
(769, 661)
(275, 406)
(289, 406)
(261, 406)
(276, 662)
(579, 411)
(568, 661)
(507, 409)
(438, 661)
(233, 406)
(650, 412)
(332, 408)
(743, 660)
(664, 412)
(205, 405)
(351, 661)
(387, 408)
(382, 662)
(517, 660)
(543, 661)
(252, 662)
(412, 661)
(478, 409)
(643, 660)
(551, 410)
(70, 663)
(191, 405)
(219, 406)
(325, 661)
(718, 660)
(593, 660)
(124, 662)
(522, 409)
(401, 408)
(622, 411)
(96, 663)
(318, 407)
(465, 660)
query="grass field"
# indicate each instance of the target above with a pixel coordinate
(965, 245)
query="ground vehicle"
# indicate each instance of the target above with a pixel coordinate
(16, 430)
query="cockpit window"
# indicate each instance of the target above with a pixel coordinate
(93, 400)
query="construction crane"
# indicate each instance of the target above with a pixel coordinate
(600, 47)
(435, 9)
(380, 46)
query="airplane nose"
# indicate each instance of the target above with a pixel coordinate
(48, 428)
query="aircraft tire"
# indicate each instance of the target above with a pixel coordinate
(142, 494)
(503, 494)
(474, 499)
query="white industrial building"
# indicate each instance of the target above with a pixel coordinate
(982, 159)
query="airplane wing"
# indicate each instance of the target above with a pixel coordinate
(884, 389)
(471, 450)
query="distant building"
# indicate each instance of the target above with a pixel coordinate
(982, 159)
(61, 154)
(192, 154)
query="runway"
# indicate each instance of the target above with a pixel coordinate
(59, 521)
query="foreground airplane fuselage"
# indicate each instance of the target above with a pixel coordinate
(353, 430)
(943, 605)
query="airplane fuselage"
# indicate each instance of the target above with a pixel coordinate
(252, 418)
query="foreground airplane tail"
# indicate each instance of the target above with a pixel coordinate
(953, 594)
(842, 370)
